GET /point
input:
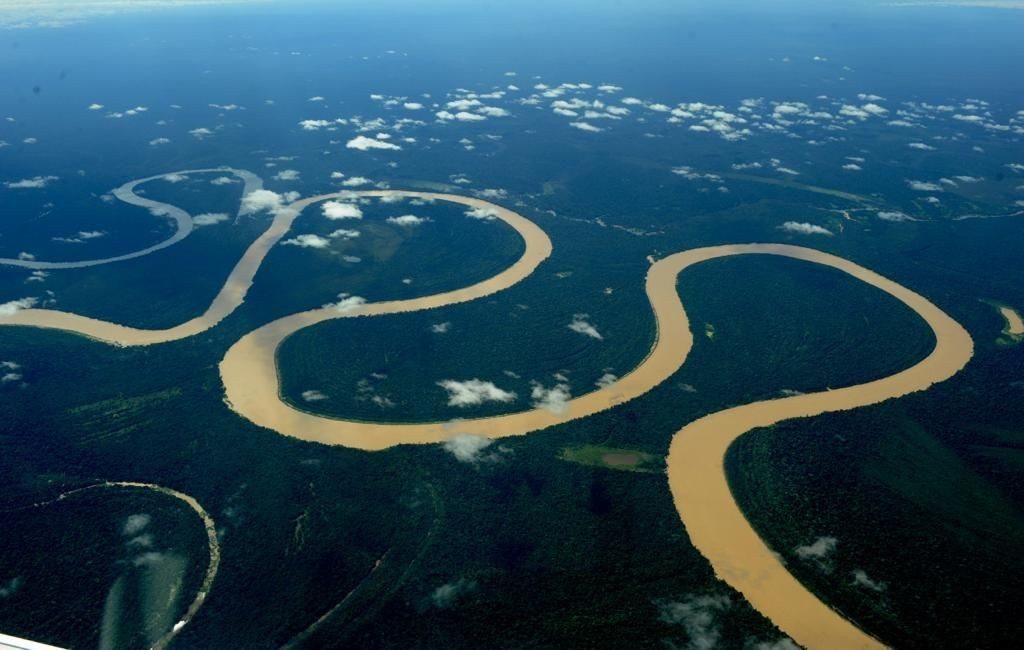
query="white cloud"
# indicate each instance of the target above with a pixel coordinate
(344, 233)
(14, 306)
(407, 220)
(804, 228)
(313, 396)
(697, 615)
(474, 392)
(81, 237)
(586, 126)
(924, 186)
(287, 175)
(852, 167)
(485, 214)
(347, 303)
(441, 328)
(466, 116)
(175, 178)
(581, 325)
(209, 218)
(263, 200)
(159, 141)
(894, 215)
(34, 183)
(921, 146)
(468, 448)
(363, 143)
(554, 399)
(335, 210)
(95, 107)
(606, 380)
(820, 549)
(493, 193)
(356, 181)
(413, 106)
(223, 180)
(200, 133)
(307, 241)
(493, 111)
(463, 104)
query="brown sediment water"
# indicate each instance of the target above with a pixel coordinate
(696, 471)
(695, 464)
(237, 285)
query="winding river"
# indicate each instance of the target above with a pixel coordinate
(183, 224)
(213, 544)
(696, 473)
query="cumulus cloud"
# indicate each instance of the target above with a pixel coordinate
(209, 218)
(581, 325)
(468, 448)
(12, 307)
(363, 143)
(697, 614)
(313, 396)
(803, 228)
(307, 241)
(335, 210)
(34, 183)
(159, 141)
(200, 133)
(921, 146)
(493, 111)
(347, 303)
(287, 175)
(485, 214)
(264, 201)
(819, 551)
(407, 220)
(852, 167)
(554, 399)
(474, 392)
(356, 181)
(586, 126)
(175, 178)
(441, 328)
(606, 380)
(344, 233)
(924, 186)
